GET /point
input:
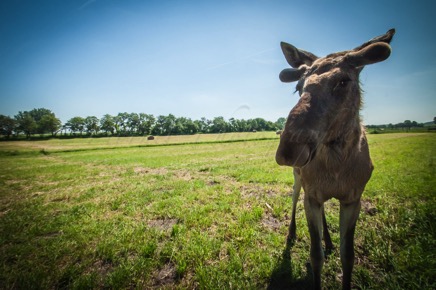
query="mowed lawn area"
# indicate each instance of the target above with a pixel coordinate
(202, 212)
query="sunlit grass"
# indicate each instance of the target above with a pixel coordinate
(84, 143)
(210, 216)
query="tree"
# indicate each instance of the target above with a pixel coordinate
(7, 125)
(91, 125)
(169, 124)
(185, 126)
(76, 124)
(26, 123)
(219, 125)
(159, 125)
(121, 123)
(191, 127)
(133, 122)
(39, 121)
(46, 121)
(434, 120)
(243, 126)
(146, 123)
(407, 124)
(252, 123)
(49, 124)
(280, 123)
(203, 125)
(107, 124)
(179, 127)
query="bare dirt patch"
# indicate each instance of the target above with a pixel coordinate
(102, 268)
(165, 277)
(368, 207)
(162, 224)
(154, 171)
(256, 191)
(183, 174)
(271, 223)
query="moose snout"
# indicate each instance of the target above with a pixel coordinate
(292, 154)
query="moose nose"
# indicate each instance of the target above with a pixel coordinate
(292, 154)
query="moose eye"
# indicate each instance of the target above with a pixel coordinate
(341, 84)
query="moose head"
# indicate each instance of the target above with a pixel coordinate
(330, 97)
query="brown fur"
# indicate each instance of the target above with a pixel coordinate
(325, 142)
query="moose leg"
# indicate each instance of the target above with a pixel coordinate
(326, 235)
(314, 221)
(349, 213)
(295, 196)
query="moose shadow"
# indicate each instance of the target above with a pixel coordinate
(282, 277)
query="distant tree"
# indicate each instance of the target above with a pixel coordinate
(7, 125)
(158, 128)
(219, 125)
(91, 125)
(26, 123)
(107, 124)
(399, 126)
(407, 124)
(49, 124)
(280, 123)
(233, 125)
(46, 121)
(252, 124)
(133, 122)
(178, 127)
(434, 120)
(169, 124)
(192, 127)
(37, 114)
(39, 121)
(76, 124)
(186, 126)
(146, 123)
(203, 125)
(243, 126)
(121, 123)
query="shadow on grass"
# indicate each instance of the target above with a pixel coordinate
(282, 277)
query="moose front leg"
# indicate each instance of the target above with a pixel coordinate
(314, 216)
(295, 196)
(349, 213)
(326, 235)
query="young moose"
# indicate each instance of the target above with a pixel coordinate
(325, 142)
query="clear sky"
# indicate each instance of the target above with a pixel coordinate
(205, 58)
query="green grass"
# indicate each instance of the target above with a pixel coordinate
(119, 213)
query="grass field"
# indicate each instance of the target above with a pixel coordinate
(203, 211)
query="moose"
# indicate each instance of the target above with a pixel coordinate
(325, 143)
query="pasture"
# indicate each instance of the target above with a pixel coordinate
(202, 211)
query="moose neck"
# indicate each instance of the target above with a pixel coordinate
(344, 129)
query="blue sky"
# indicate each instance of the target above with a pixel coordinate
(205, 58)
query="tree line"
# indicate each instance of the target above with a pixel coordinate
(43, 121)
(406, 125)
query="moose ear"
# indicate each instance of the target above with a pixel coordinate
(296, 57)
(387, 37)
(370, 54)
(289, 75)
